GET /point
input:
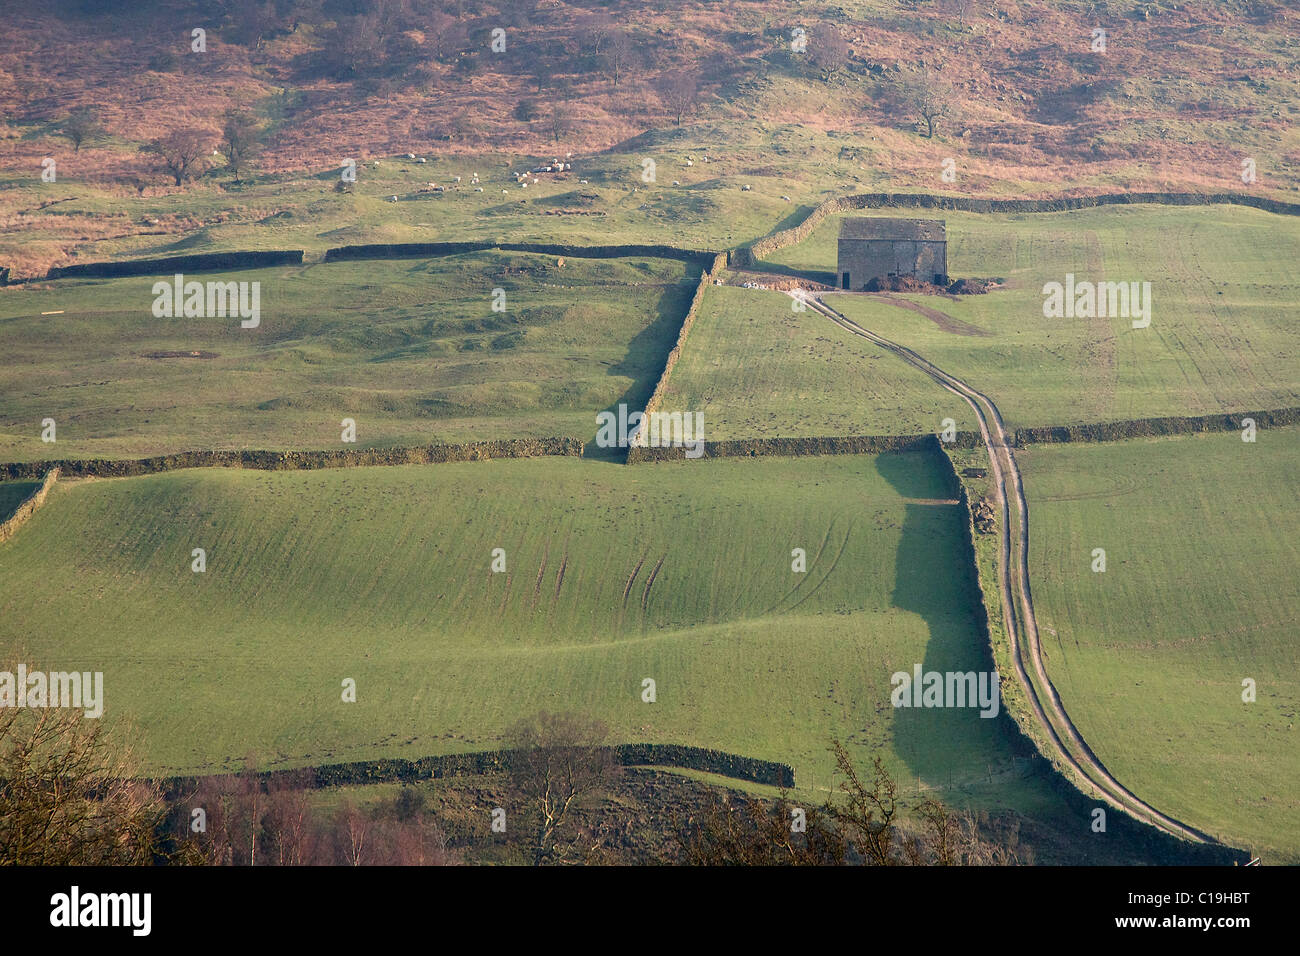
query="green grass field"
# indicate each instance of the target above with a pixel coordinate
(383, 575)
(757, 369)
(1200, 592)
(1225, 326)
(411, 350)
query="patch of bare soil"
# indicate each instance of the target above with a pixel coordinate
(774, 281)
(941, 319)
(912, 284)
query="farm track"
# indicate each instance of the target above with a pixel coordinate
(1013, 574)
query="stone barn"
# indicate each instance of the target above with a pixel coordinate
(872, 248)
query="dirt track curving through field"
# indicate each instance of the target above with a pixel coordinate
(941, 319)
(1017, 600)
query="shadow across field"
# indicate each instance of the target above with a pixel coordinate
(12, 494)
(935, 578)
(933, 581)
(657, 340)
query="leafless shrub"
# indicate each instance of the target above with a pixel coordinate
(557, 761)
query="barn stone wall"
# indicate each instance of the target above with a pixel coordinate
(867, 259)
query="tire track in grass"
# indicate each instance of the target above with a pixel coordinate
(838, 554)
(627, 588)
(649, 583)
(541, 572)
(559, 575)
(559, 578)
(817, 557)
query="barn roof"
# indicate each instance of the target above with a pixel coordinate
(874, 227)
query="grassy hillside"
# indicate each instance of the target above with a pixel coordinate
(383, 575)
(1200, 592)
(1225, 326)
(411, 350)
(757, 369)
(1183, 94)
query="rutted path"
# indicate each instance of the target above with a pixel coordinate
(1017, 601)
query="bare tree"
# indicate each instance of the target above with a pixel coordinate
(555, 761)
(828, 49)
(735, 831)
(870, 811)
(253, 801)
(961, 8)
(446, 36)
(559, 119)
(870, 821)
(926, 97)
(239, 139)
(543, 74)
(71, 793)
(680, 93)
(253, 21)
(460, 125)
(291, 829)
(80, 127)
(182, 153)
(526, 111)
(235, 814)
(599, 27)
(352, 833)
(405, 836)
(865, 825)
(620, 51)
(411, 844)
(251, 821)
(355, 47)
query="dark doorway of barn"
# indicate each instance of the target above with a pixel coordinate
(844, 281)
